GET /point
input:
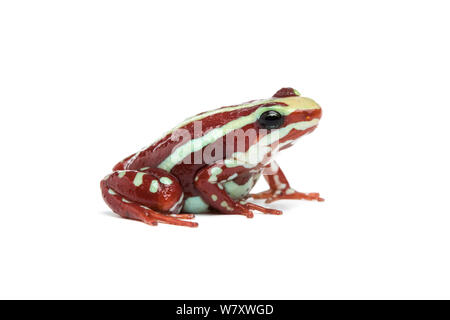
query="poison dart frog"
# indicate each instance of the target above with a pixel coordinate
(210, 162)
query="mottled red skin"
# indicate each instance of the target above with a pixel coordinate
(184, 173)
(161, 201)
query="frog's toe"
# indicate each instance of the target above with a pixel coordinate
(303, 196)
(183, 215)
(291, 194)
(315, 196)
(164, 218)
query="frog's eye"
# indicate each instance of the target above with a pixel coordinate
(271, 120)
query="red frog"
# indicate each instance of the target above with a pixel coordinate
(210, 162)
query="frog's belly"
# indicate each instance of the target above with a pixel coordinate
(236, 191)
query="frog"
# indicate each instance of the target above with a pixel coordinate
(210, 162)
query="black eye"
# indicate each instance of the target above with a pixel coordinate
(271, 120)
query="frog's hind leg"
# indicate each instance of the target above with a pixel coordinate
(150, 197)
(130, 210)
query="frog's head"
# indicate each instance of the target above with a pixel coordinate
(287, 117)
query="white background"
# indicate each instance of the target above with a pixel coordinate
(85, 83)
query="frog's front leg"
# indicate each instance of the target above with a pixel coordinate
(149, 195)
(280, 188)
(209, 182)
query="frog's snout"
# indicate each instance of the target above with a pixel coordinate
(319, 113)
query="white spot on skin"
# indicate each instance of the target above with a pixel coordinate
(215, 171)
(111, 191)
(214, 197)
(232, 177)
(212, 179)
(125, 200)
(237, 191)
(121, 174)
(144, 168)
(138, 179)
(154, 186)
(166, 180)
(226, 205)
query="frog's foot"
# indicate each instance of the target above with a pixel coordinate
(130, 210)
(288, 194)
(135, 195)
(141, 213)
